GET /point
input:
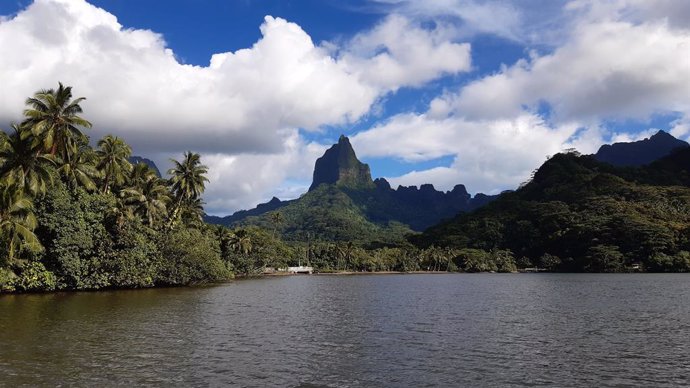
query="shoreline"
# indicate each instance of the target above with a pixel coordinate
(347, 273)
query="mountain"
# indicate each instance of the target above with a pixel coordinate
(344, 204)
(579, 214)
(340, 166)
(260, 209)
(149, 162)
(640, 152)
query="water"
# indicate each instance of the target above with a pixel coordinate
(358, 331)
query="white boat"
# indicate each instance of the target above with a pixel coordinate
(301, 269)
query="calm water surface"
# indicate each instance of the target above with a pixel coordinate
(358, 331)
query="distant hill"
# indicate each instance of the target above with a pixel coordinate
(640, 152)
(345, 204)
(149, 162)
(579, 214)
(260, 209)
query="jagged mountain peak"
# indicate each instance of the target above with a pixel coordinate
(339, 165)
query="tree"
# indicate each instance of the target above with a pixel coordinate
(21, 166)
(187, 182)
(241, 242)
(277, 219)
(140, 174)
(148, 199)
(79, 170)
(192, 212)
(113, 163)
(53, 119)
(17, 223)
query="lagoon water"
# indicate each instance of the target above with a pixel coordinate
(358, 331)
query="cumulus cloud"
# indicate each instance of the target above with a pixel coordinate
(138, 89)
(609, 70)
(620, 60)
(604, 60)
(242, 111)
(528, 21)
(489, 155)
(397, 53)
(243, 180)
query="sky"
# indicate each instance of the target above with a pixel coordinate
(473, 92)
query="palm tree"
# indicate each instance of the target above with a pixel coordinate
(192, 212)
(113, 163)
(148, 199)
(140, 174)
(277, 219)
(17, 223)
(80, 169)
(54, 121)
(21, 166)
(241, 242)
(187, 182)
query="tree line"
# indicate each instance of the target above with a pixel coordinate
(73, 216)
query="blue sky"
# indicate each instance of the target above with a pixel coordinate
(476, 92)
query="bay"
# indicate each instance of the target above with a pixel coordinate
(358, 331)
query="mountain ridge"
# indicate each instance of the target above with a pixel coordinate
(371, 206)
(639, 152)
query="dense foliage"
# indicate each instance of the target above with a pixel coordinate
(77, 217)
(578, 214)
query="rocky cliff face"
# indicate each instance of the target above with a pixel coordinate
(340, 166)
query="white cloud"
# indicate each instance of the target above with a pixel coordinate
(243, 180)
(527, 21)
(618, 60)
(609, 69)
(242, 111)
(398, 53)
(137, 88)
(489, 155)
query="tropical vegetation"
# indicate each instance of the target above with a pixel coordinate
(578, 214)
(74, 216)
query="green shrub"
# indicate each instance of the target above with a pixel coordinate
(33, 276)
(189, 256)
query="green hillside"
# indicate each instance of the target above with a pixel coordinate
(578, 214)
(327, 213)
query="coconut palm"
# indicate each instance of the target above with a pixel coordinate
(277, 219)
(80, 169)
(113, 163)
(187, 182)
(17, 223)
(192, 212)
(140, 174)
(53, 119)
(21, 166)
(241, 242)
(148, 199)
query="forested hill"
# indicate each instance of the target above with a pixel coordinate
(345, 204)
(578, 214)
